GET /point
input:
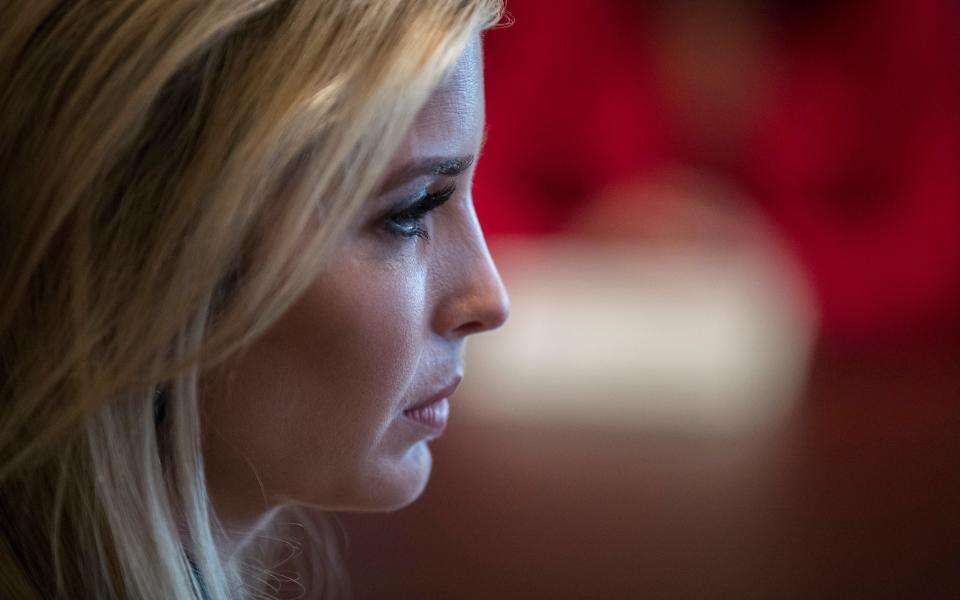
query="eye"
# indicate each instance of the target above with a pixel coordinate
(407, 222)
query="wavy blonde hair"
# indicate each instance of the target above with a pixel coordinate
(172, 175)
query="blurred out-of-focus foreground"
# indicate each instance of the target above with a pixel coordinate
(731, 234)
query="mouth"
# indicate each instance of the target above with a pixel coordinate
(433, 412)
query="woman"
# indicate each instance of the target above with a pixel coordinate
(240, 262)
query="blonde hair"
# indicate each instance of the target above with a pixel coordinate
(172, 175)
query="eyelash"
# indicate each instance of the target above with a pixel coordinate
(398, 223)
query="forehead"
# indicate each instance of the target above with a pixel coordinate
(451, 121)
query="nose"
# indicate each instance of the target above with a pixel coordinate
(474, 298)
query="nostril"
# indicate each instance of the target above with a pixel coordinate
(470, 328)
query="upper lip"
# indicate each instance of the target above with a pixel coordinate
(440, 394)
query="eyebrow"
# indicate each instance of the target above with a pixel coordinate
(449, 166)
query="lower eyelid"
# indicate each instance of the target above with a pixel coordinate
(393, 226)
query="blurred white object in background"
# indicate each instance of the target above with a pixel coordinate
(626, 335)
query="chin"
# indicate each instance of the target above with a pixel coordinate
(391, 485)
(404, 483)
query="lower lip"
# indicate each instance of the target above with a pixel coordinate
(432, 416)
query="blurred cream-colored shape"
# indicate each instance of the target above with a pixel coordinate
(613, 334)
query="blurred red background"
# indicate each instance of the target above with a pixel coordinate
(839, 120)
(823, 134)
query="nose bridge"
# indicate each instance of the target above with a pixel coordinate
(475, 297)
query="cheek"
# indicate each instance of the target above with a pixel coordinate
(356, 336)
(309, 404)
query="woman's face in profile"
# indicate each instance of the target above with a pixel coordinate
(323, 408)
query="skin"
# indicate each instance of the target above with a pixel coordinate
(312, 412)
